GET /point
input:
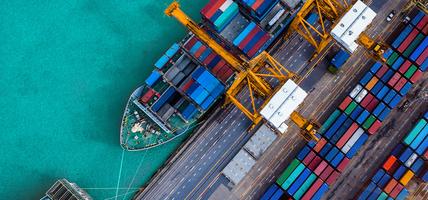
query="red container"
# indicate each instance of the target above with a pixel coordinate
(422, 57)
(190, 43)
(394, 79)
(212, 6)
(422, 23)
(149, 94)
(404, 66)
(426, 155)
(187, 85)
(408, 40)
(200, 51)
(375, 126)
(209, 58)
(382, 71)
(326, 173)
(400, 84)
(258, 45)
(314, 188)
(394, 167)
(416, 76)
(217, 68)
(320, 168)
(345, 103)
(320, 144)
(389, 162)
(343, 164)
(390, 186)
(314, 163)
(367, 99)
(425, 30)
(348, 134)
(307, 160)
(332, 178)
(397, 189)
(372, 105)
(248, 38)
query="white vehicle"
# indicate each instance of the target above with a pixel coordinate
(390, 16)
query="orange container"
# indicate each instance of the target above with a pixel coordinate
(390, 186)
(372, 83)
(388, 163)
(406, 177)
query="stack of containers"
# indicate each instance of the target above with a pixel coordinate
(210, 59)
(203, 88)
(169, 54)
(345, 131)
(408, 159)
(251, 39)
(219, 13)
(258, 8)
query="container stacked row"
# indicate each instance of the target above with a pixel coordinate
(169, 54)
(219, 13)
(251, 39)
(258, 8)
(210, 59)
(345, 131)
(408, 159)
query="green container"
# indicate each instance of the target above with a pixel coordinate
(382, 196)
(369, 121)
(392, 58)
(226, 16)
(409, 73)
(296, 172)
(329, 121)
(287, 171)
(302, 190)
(415, 131)
(413, 45)
(350, 108)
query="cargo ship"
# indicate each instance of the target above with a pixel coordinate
(190, 78)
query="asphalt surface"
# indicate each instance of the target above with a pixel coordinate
(195, 172)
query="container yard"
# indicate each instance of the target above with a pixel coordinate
(280, 99)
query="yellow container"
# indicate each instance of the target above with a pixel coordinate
(406, 177)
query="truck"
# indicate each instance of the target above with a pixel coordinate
(338, 60)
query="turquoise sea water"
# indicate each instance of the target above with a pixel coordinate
(66, 71)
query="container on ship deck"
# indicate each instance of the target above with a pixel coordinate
(257, 9)
(218, 13)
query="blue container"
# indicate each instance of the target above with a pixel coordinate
(406, 88)
(402, 36)
(422, 147)
(381, 94)
(341, 130)
(379, 108)
(189, 112)
(419, 138)
(384, 114)
(218, 90)
(318, 195)
(312, 18)
(375, 67)
(387, 76)
(399, 172)
(417, 18)
(161, 62)
(331, 154)
(403, 194)
(195, 47)
(376, 89)
(325, 149)
(363, 116)
(405, 155)
(207, 102)
(154, 76)
(214, 62)
(336, 125)
(367, 191)
(379, 174)
(424, 65)
(398, 150)
(358, 144)
(269, 192)
(417, 165)
(397, 63)
(357, 111)
(394, 102)
(299, 181)
(312, 143)
(205, 54)
(388, 53)
(375, 193)
(172, 50)
(366, 78)
(384, 180)
(425, 176)
(165, 97)
(388, 98)
(418, 51)
(277, 195)
(253, 41)
(302, 154)
(340, 58)
(337, 159)
(197, 72)
(208, 81)
(244, 34)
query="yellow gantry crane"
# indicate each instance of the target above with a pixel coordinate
(253, 75)
(328, 11)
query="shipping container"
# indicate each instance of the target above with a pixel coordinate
(287, 172)
(269, 192)
(338, 60)
(402, 36)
